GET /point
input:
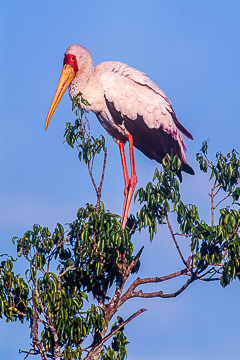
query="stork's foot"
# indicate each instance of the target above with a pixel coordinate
(128, 192)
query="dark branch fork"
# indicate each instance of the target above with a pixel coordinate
(130, 293)
(118, 299)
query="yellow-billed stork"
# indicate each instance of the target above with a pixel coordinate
(130, 107)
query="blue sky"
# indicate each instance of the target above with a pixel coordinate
(191, 49)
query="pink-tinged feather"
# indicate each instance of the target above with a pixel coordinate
(121, 96)
(129, 105)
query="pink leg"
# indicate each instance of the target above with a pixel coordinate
(129, 184)
(125, 173)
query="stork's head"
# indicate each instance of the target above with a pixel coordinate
(75, 60)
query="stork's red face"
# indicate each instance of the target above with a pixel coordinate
(70, 68)
(71, 60)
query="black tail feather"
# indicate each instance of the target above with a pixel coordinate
(187, 169)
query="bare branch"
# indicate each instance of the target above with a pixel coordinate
(30, 352)
(223, 199)
(114, 331)
(212, 201)
(217, 189)
(69, 268)
(175, 241)
(131, 293)
(140, 293)
(209, 279)
(103, 170)
(92, 178)
(181, 234)
(92, 163)
(99, 190)
(135, 260)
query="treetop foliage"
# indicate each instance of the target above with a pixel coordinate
(75, 279)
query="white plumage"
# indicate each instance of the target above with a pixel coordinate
(129, 105)
(132, 94)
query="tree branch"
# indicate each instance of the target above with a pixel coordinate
(36, 340)
(57, 351)
(114, 331)
(92, 178)
(212, 204)
(140, 293)
(225, 198)
(131, 290)
(99, 189)
(134, 261)
(30, 352)
(175, 241)
(69, 268)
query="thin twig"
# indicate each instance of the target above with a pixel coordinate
(30, 352)
(175, 241)
(209, 279)
(99, 190)
(217, 190)
(92, 163)
(182, 234)
(212, 204)
(92, 178)
(227, 196)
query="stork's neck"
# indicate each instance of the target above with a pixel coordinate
(80, 81)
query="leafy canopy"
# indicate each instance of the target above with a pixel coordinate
(75, 278)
